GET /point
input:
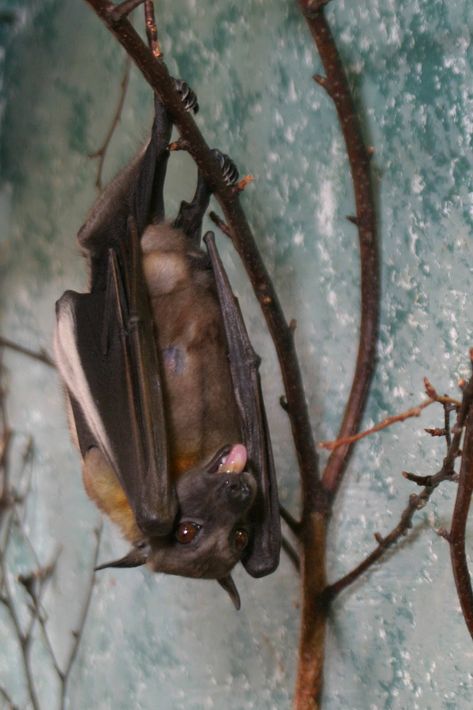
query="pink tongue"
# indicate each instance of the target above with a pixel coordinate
(235, 462)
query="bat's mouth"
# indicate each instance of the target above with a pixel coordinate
(230, 459)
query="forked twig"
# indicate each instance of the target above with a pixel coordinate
(417, 502)
(394, 419)
(315, 602)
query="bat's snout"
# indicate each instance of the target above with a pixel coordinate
(238, 489)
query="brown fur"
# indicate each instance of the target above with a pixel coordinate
(198, 388)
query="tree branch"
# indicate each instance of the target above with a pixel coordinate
(456, 538)
(101, 152)
(417, 502)
(41, 355)
(156, 73)
(359, 157)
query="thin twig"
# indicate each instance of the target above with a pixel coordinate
(79, 631)
(359, 157)
(152, 29)
(24, 640)
(457, 534)
(387, 422)
(290, 521)
(101, 152)
(40, 355)
(416, 502)
(124, 8)
(7, 698)
(314, 602)
(291, 553)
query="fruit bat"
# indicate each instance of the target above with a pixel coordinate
(162, 382)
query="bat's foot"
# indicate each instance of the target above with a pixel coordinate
(188, 97)
(229, 169)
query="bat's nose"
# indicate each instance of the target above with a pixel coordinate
(237, 489)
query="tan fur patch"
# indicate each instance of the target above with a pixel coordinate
(103, 487)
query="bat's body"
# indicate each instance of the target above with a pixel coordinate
(163, 385)
(198, 389)
(191, 340)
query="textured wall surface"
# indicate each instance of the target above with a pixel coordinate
(397, 639)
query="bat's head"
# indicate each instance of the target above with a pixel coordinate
(211, 530)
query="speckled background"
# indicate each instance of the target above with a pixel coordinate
(396, 640)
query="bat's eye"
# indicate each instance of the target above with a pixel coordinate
(240, 539)
(186, 532)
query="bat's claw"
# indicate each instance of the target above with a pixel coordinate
(188, 97)
(229, 169)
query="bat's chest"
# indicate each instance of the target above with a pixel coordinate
(193, 353)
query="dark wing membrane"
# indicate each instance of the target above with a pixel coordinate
(107, 357)
(263, 554)
(137, 190)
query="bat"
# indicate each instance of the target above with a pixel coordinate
(162, 385)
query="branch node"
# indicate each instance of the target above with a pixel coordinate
(283, 403)
(443, 532)
(429, 389)
(354, 220)
(323, 82)
(436, 431)
(243, 183)
(119, 12)
(419, 480)
(312, 8)
(180, 144)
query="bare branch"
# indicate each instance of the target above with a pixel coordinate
(101, 152)
(389, 421)
(24, 640)
(7, 699)
(79, 631)
(290, 521)
(40, 355)
(416, 501)
(359, 157)
(291, 553)
(456, 537)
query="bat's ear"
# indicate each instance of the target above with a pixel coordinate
(135, 558)
(230, 587)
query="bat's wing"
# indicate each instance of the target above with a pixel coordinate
(107, 357)
(137, 190)
(263, 554)
(105, 342)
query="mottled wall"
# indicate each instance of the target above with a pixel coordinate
(397, 640)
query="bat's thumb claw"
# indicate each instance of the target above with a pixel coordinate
(134, 558)
(230, 587)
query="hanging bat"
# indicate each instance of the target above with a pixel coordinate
(162, 382)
